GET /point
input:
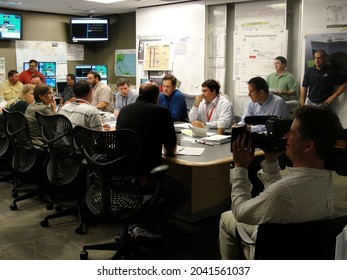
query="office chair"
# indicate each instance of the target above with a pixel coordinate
(113, 191)
(4, 146)
(26, 159)
(64, 163)
(313, 240)
(189, 100)
(292, 106)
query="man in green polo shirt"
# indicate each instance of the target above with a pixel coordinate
(282, 82)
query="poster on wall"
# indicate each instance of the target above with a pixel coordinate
(158, 56)
(125, 63)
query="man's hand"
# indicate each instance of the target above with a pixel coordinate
(197, 100)
(243, 154)
(329, 100)
(198, 124)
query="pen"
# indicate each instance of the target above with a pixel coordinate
(203, 142)
(181, 149)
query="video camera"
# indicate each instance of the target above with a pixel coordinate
(273, 140)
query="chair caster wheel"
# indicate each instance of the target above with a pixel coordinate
(49, 206)
(84, 255)
(14, 194)
(58, 208)
(80, 230)
(44, 223)
(13, 206)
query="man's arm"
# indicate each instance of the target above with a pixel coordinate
(339, 91)
(101, 105)
(303, 94)
(194, 111)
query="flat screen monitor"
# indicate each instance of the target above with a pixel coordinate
(89, 29)
(11, 26)
(81, 71)
(52, 82)
(105, 81)
(101, 69)
(61, 86)
(47, 69)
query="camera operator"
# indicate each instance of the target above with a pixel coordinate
(304, 194)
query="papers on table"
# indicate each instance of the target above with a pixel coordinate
(217, 139)
(182, 125)
(189, 151)
(189, 132)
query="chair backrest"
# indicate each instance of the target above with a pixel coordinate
(4, 141)
(314, 240)
(292, 106)
(64, 163)
(112, 158)
(189, 101)
(24, 153)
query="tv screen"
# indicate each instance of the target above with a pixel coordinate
(81, 71)
(101, 69)
(52, 82)
(89, 29)
(47, 69)
(11, 26)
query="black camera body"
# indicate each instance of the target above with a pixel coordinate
(272, 141)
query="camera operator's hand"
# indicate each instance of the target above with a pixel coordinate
(272, 156)
(243, 154)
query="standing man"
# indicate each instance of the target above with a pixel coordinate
(304, 194)
(68, 92)
(263, 103)
(210, 107)
(173, 99)
(9, 89)
(282, 82)
(125, 95)
(80, 111)
(319, 82)
(102, 95)
(25, 76)
(155, 127)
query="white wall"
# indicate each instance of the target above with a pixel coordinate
(185, 20)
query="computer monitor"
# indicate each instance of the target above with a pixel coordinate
(48, 69)
(61, 86)
(52, 82)
(101, 69)
(105, 81)
(81, 71)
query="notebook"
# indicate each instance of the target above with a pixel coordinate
(217, 139)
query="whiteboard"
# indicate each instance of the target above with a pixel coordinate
(183, 25)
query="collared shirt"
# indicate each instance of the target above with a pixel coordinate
(102, 93)
(285, 82)
(304, 194)
(123, 101)
(176, 104)
(9, 91)
(273, 106)
(67, 93)
(220, 109)
(25, 76)
(81, 112)
(320, 83)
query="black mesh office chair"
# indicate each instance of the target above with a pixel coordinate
(5, 166)
(314, 240)
(26, 158)
(64, 163)
(113, 191)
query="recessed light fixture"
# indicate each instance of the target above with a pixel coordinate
(105, 1)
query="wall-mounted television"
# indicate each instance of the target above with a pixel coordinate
(89, 29)
(81, 71)
(11, 26)
(47, 69)
(101, 69)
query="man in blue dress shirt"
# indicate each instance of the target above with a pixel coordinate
(173, 99)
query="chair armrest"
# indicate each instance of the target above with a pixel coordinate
(244, 236)
(159, 170)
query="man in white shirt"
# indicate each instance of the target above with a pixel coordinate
(304, 194)
(210, 107)
(102, 93)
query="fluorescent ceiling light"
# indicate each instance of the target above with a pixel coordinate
(105, 1)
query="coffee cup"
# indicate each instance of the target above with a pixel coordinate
(178, 137)
(221, 127)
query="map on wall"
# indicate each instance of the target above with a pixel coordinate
(254, 53)
(125, 63)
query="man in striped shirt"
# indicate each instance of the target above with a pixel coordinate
(304, 194)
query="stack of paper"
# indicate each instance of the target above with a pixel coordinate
(217, 139)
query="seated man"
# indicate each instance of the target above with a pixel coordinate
(263, 103)
(210, 107)
(173, 99)
(68, 94)
(304, 194)
(155, 126)
(81, 112)
(125, 95)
